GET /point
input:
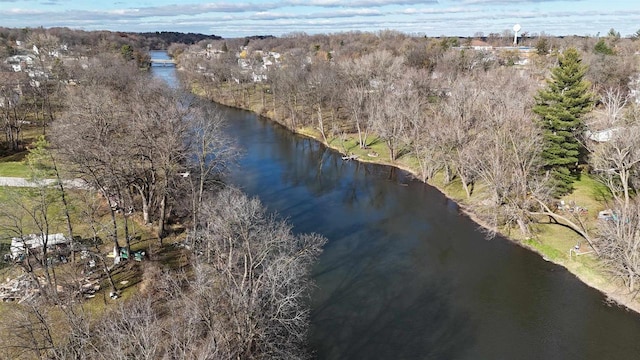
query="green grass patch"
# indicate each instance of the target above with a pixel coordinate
(453, 189)
(310, 132)
(590, 194)
(14, 169)
(13, 162)
(554, 241)
(411, 162)
(547, 250)
(14, 165)
(20, 211)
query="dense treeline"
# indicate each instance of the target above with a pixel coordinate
(95, 42)
(162, 39)
(514, 127)
(236, 280)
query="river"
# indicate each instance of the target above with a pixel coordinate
(405, 276)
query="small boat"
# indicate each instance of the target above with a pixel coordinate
(350, 157)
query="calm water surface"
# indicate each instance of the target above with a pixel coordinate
(405, 276)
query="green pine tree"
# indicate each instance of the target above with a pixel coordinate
(561, 106)
(602, 48)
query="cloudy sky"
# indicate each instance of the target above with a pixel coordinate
(276, 17)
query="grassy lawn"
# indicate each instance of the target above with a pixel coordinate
(589, 194)
(12, 163)
(14, 169)
(14, 217)
(453, 189)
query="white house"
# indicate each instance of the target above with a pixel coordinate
(18, 59)
(258, 77)
(33, 241)
(602, 135)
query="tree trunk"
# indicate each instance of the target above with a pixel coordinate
(161, 220)
(624, 180)
(145, 206)
(360, 138)
(114, 234)
(321, 124)
(465, 185)
(275, 112)
(127, 238)
(65, 205)
(447, 174)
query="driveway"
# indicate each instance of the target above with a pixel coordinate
(23, 182)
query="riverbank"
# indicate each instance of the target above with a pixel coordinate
(549, 242)
(552, 242)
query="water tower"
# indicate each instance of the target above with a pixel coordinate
(516, 28)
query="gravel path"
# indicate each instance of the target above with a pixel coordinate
(23, 182)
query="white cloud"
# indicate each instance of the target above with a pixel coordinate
(319, 15)
(356, 3)
(455, 10)
(450, 17)
(512, 2)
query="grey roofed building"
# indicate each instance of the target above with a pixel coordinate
(33, 241)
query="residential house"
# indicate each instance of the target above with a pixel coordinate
(33, 242)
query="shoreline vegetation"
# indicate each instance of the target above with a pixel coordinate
(554, 242)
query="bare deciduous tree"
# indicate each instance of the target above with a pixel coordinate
(615, 161)
(369, 78)
(263, 270)
(131, 332)
(131, 141)
(619, 242)
(210, 153)
(15, 105)
(506, 153)
(91, 136)
(459, 118)
(323, 81)
(422, 136)
(613, 102)
(30, 332)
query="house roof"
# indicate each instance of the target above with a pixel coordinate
(34, 241)
(476, 42)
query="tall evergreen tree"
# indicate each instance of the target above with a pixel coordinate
(561, 106)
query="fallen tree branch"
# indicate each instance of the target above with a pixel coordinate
(578, 229)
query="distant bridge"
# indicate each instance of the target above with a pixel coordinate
(163, 62)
